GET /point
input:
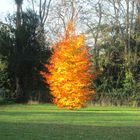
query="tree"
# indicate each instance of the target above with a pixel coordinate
(6, 39)
(18, 50)
(24, 56)
(29, 31)
(70, 71)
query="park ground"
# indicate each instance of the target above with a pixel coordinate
(47, 122)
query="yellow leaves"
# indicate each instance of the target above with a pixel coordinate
(70, 29)
(70, 71)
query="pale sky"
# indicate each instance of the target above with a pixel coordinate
(6, 6)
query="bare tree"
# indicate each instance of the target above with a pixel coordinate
(62, 12)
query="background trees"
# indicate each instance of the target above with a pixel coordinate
(113, 35)
(117, 49)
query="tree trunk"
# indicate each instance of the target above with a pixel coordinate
(137, 29)
(18, 53)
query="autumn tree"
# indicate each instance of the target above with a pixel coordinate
(70, 71)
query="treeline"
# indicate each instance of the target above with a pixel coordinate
(113, 33)
(117, 52)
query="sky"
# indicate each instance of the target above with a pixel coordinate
(9, 6)
(6, 6)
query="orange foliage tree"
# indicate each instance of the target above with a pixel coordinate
(70, 71)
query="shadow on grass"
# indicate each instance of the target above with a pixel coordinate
(102, 118)
(73, 113)
(40, 131)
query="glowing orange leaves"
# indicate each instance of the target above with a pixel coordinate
(70, 70)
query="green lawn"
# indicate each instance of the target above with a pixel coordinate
(46, 122)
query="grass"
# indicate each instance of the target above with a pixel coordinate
(46, 122)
